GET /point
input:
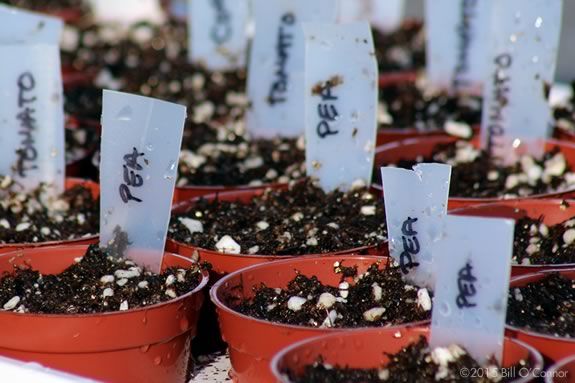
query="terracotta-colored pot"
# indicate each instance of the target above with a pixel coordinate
(150, 344)
(553, 211)
(227, 263)
(368, 349)
(551, 347)
(70, 183)
(252, 342)
(562, 372)
(186, 193)
(71, 77)
(397, 78)
(412, 148)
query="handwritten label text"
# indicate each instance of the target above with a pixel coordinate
(27, 152)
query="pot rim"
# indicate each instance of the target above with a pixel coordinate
(19, 253)
(220, 305)
(533, 353)
(547, 202)
(552, 371)
(418, 140)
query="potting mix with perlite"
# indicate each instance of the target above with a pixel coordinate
(284, 214)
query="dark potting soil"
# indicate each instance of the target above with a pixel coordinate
(565, 114)
(546, 306)
(476, 175)
(415, 363)
(400, 50)
(300, 220)
(538, 244)
(81, 140)
(96, 283)
(408, 106)
(83, 102)
(223, 155)
(378, 297)
(37, 217)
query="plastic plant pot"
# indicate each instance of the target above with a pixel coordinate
(551, 347)
(412, 148)
(70, 183)
(562, 372)
(227, 263)
(396, 78)
(150, 344)
(185, 193)
(252, 342)
(73, 78)
(368, 349)
(553, 211)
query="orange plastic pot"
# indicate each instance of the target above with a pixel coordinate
(368, 349)
(185, 193)
(252, 342)
(227, 263)
(562, 372)
(423, 147)
(553, 211)
(551, 347)
(71, 77)
(70, 183)
(150, 344)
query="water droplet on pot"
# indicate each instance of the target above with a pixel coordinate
(150, 148)
(184, 324)
(76, 335)
(125, 114)
(145, 320)
(145, 348)
(158, 360)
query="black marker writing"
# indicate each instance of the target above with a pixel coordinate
(285, 42)
(27, 152)
(466, 287)
(464, 33)
(326, 110)
(500, 93)
(131, 177)
(222, 29)
(410, 246)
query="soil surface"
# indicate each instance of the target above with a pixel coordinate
(408, 105)
(565, 114)
(39, 217)
(546, 306)
(538, 244)
(475, 174)
(400, 50)
(379, 297)
(96, 283)
(300, 220)
(415, 363)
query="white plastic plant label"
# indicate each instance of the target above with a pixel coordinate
(276, 68)
(457, 36)
(524, 42)
(340, 103)
(415, 202)
(218, 33)
(385, 15)
(473, 265)
(31, 101)
(17, 371)
(141, 139)
(127, 12)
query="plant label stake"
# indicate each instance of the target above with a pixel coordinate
(141, 139)
(473, 265)
(276, 68)
(383, 15)
(415, 202)
(31, 100)
(218, 33)
(340, 103)
(457, 35)
(524, 40)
